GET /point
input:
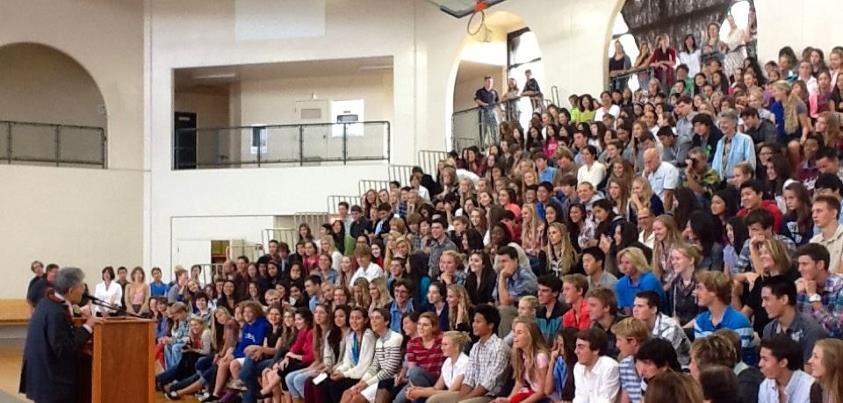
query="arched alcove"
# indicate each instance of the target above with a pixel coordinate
(42, 85)
(637, 21)
(503, 48)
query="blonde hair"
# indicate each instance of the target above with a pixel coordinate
(779, 253)
(631, 328)
(673, 238)
(647, 190)
(636, 257)
(458, 338)
(530, 299)
(462, 307)
(791, 118)
(531, 237)
(567, 256)
(832, 382)
(383, 292)
(364, 300)
(455, 255)
(525, 360)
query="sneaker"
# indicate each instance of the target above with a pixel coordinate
(237, 385)
(202, 395)
(210, 399)
(173, 395)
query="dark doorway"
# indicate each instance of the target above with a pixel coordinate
(184, 140)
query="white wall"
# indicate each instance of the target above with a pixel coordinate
(799, 24)
(84, 217)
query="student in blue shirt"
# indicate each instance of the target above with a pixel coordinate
(252, 333)
(714, 291)
(401, 304)
(157, 287)
(637, 277)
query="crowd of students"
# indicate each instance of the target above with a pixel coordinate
(679, 243)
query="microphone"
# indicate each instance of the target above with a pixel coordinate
(96, 301)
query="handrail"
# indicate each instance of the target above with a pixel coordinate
(298, 144)
(54, 144)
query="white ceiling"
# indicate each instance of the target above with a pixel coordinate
(217, 79)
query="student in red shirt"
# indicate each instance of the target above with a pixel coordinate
(424, 356)
(752, 193)
(574, 287)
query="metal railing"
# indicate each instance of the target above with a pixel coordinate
(334, 201)
(286, 235)
(53, 144)
(282, 144)
(429, 161)
(401, 174)
(314, 219)
(473, 126)
(619, 80)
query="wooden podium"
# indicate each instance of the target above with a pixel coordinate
(121, 362)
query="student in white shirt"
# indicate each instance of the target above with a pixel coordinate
(596, 377)
(781, 363)
(108, 291)
(453, 369)
(366, 267)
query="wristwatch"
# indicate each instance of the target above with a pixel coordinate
(814, 298)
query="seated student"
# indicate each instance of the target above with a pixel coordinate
(526, 309)
(826, 365)
(488, 362)
(714, 292)
(224, 335)
(424, 357)
(252, 332)
(655, 356)
(550, 311)
(596, 377)
(674, 386)
(322, 325)
(333, 348)
(781, 363)
(514, 282)
(752, 199)
(603, 313)
(174, 343)
(366, 268)
(260, 357)
(574, 287)
(646, 309)
(722, 349)
(719, 384)
(385, 364)
(559, 385)
(592, 264)
(198, 345)
(300, 355)
(459, 308)
(452, 372)
(401, 304)
(779, 300)
(359, 352)
(530, 362)
(631, 333)
(201, 308)
(437, 304)
(820, 292)
(681, 299)
(637, 277)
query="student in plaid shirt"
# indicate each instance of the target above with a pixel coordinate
(646, 309)
(820, 293)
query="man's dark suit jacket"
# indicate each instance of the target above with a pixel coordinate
(52, 353)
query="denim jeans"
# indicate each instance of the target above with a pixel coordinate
(417, 377)
(295, 382)
(250, 372)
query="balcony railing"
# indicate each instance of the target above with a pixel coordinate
(472, 126)
(33, 143)
(279, 145)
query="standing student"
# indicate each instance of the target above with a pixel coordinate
(781, 363)
(596, 377)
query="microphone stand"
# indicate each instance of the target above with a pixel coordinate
(118, 309)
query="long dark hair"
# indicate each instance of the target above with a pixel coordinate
(335, 334)
(705, 229)
(802, 215)
(688, 203)
(740, 231)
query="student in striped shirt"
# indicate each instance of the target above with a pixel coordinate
(714, 292)
(424, 356)
(384, 366)
(630, 334)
